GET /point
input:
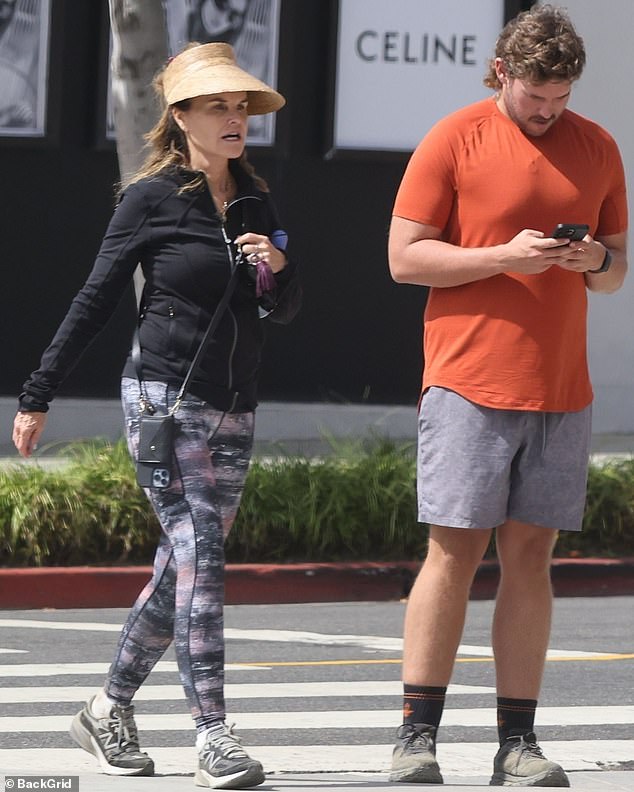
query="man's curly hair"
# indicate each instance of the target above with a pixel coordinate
(539, 45)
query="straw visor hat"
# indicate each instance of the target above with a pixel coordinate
(211, 69)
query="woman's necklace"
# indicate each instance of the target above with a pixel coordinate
(223, 193)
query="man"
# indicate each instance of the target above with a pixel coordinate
(504, 424)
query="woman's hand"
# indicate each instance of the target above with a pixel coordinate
(27, 430)
(260, 248)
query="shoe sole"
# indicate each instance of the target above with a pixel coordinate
(418, 775)
(252, 776)
(84, 739)
(550, 778)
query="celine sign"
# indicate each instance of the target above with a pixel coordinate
(404, 64)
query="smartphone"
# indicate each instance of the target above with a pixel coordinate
(572, 231)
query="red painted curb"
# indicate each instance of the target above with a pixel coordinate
(114, 587)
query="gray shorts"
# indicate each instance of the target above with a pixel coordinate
(478, 467)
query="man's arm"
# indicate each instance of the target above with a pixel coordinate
(418, 255)
(613, 279)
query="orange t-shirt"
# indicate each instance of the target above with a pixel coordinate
(512, 341)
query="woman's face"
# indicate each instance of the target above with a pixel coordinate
(215, 126)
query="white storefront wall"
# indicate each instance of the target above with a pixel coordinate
(604, 94)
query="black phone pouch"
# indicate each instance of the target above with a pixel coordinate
(156, 446)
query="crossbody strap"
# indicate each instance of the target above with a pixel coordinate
(144, 402)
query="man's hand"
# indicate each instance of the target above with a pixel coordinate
(582, 256)
(530, 252)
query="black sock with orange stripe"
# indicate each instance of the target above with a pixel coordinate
(515, 716)
(422, 704)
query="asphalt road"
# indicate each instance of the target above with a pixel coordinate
(315, 689)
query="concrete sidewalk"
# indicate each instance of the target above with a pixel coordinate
(285, 428)
(248, 584)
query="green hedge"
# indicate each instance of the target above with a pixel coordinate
(358, 503)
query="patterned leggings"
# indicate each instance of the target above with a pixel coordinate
(184, 599)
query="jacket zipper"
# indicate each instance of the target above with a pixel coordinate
(171, 326)
(232, 265)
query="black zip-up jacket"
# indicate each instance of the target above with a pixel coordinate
(177, 237)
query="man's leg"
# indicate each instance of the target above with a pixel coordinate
(437, 604)
(520, 635)
(434, 621)
(521, 624)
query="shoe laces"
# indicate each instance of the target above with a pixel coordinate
(527, 743)
(418, 740)
(221, 739)
(121, 729)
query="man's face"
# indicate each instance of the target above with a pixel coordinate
(534, 107)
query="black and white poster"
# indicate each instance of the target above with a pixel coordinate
(250, 26)
(24, 41)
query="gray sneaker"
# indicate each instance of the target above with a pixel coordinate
(113, 740)
(414, 755)
(224, 764)
(520, 762)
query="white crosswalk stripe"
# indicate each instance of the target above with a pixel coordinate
(321, 709)
(338, 719)
(371, 642)
(25, 695)
(94, 669)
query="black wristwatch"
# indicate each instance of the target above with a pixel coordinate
(607, 260)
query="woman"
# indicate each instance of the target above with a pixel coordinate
(195, 193)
